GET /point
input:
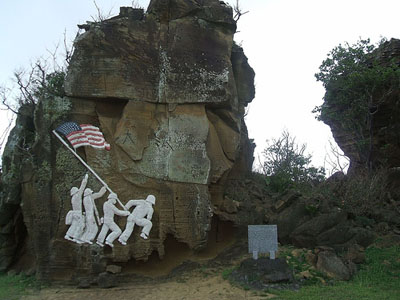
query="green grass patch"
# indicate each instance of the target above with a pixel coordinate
(226, 273)
(378, 278)
(13, 286)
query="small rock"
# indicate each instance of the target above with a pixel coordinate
(382, 227)
(306, 274)
(84, 283)
(114, 269)
(230, 206)
(257, 194)
(296, 252)
(98, 267)
(106, 280)
(311, 258)
(331, 265)
(352, 267)
(11, 273)
(355, 254)
(286, 201)
(322, 280)
(324, 248)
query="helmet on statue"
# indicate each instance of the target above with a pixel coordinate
(88, 192)
(74, 190)
(112, 196)
(151, 199)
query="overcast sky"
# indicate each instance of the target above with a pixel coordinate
(284, 40)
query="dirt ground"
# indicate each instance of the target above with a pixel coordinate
(197, 286)
(194, 277)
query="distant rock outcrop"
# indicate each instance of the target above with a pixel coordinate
(385, 128)
(168, 89)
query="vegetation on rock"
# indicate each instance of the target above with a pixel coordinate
(357, 85)
(377, 279)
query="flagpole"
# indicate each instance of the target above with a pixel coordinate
(87, 166)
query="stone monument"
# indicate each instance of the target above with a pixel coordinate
(263, 239)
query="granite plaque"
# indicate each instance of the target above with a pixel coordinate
(263, 239)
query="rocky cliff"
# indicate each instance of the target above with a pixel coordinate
(168, 90)
(383, 132)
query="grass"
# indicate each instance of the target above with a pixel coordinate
(13, 286)
(226, 273)
(378, 278)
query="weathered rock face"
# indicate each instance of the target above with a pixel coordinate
(385, 129)
(168, 90)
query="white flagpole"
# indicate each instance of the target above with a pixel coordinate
(87, 166)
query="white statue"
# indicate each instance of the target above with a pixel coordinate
(90, 211)
(109, 211)
(140, 216)
(75, 217)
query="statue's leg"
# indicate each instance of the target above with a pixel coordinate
(71, 229)
(147, 227)
(103, 233)
(86, 230)
(74, 226)
(116, 231)
(80, 227)
(130, 224)
(146, 224)
(92, 231)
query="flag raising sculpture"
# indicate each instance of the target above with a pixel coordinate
(89, 135)
(74, 132)
(83, 135)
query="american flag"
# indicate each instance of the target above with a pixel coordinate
(83, 135)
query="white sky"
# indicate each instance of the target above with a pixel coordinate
(284, 40)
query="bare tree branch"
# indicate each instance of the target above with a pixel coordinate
(336, 159)
(6, 131)
(101, 16)
(136, 4)
(238, 11)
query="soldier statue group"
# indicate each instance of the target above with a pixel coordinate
(84, 224)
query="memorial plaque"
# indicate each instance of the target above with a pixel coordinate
(263, 239)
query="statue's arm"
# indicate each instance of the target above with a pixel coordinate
(132, 203)
(150, 214)
(83, 184)
(100, 193)
(119, 212)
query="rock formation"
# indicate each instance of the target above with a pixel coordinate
(385, 124)
(168, 89)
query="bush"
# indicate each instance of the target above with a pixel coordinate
(365, 194)
(287, 166)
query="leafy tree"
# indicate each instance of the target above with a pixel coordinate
(357, 85)
(287, 166)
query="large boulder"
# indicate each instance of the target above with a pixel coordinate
(263, 273)
(168, 91)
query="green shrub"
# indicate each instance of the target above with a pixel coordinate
(377, 279)
(287, 166)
